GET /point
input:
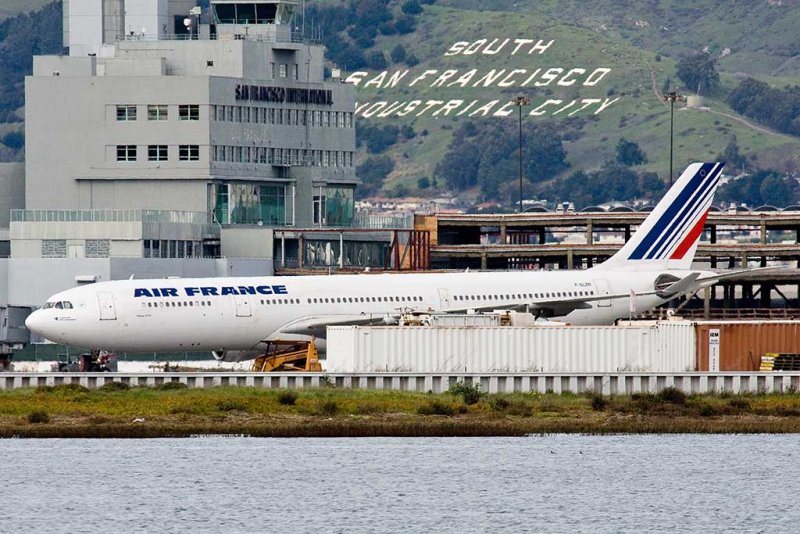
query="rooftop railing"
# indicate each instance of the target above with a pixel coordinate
(106, 216)
(294, 37)
(381, 222)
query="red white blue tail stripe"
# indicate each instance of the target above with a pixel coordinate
(669, 235)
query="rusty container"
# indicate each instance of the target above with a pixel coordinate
(741, 344)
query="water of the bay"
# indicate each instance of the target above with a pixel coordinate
(560, 483)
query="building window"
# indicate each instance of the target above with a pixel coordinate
(157, 113)
(190, 112)
(126, 113)
(284, 70)
(157, 153)
(295, 71)
(126, 152)
(54, 248)
(339, 206)
(319, 209)
(98, 248)
(189, 152)
(272, 69)
(219, 201)
(249, 204)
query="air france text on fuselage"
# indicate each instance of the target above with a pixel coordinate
(210, 291)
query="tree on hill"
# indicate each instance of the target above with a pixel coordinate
(371, 12)
(777, 108)
(398, 54)
(14, 140)
(734, 161)
(376, 60)
(406, 24)
(762, 187)
(377, 138)
(344, 54)
(488, 156)
(630, 153)
(777, 190)
(22, 37)
(411, 7)
(699, 73)
(612, 182)
(372, 174)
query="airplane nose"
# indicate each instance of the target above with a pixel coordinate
(36, 322)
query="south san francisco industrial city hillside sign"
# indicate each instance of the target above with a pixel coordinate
(540, 77)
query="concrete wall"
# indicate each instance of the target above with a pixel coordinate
(32, 280)
(245, 267)
(182, 195)
(57, 161)
(152, 15)
(123, 268)
(84, 26)
(247, 242)
(4, 282)
(12, 190)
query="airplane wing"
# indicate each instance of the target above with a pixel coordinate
(733, 274)
(315, 325)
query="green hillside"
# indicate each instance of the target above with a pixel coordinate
(636, 78)
(761, 34)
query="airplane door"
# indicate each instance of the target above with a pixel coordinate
(108, 311)
(444, 298)
(242, 306)
(601, 286)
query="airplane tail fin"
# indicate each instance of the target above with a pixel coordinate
(668, 237)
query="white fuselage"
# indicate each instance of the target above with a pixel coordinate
(201, 314)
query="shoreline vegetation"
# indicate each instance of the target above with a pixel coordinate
(172, 410)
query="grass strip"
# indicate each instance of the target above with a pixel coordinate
(175, 411)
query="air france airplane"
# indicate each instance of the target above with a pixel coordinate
(236, 317)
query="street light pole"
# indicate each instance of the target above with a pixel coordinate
(519, 102)
(671, 97)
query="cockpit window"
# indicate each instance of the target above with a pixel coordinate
(62, 305)
(48, 305)
(67, 305)
(59, 305)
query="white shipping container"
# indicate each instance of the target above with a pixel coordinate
(667, 346)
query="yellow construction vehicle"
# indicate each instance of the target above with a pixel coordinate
(288, 356)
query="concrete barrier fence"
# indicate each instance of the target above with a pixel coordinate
(605, 383)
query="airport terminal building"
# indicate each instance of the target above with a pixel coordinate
(233, 118)
(175, 134)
